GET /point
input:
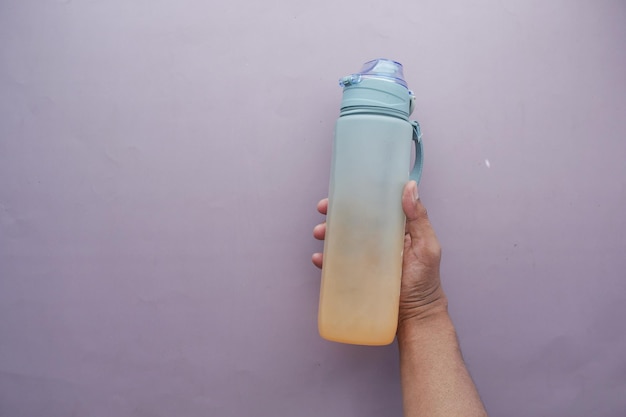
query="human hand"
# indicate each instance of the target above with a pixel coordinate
(420, 292)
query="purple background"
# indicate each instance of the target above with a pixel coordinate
(160, 162)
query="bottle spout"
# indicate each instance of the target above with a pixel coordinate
(380, 87)
(385, 69)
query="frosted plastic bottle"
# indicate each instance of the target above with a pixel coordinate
(365, 223)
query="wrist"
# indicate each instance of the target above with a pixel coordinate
(424, 319)
(418, 308)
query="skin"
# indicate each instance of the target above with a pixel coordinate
(435, 380)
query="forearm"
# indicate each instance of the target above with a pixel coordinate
(435, 381)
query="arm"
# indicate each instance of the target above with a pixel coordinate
(435, 381)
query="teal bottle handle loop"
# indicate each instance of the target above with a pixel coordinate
(416, 172)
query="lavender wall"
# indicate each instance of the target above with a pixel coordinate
(160, 162)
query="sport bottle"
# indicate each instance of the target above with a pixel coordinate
(363, 247)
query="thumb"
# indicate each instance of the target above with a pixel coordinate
(417, 224)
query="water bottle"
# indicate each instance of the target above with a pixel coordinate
(364, 241)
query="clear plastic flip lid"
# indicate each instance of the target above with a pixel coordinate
(384, 69)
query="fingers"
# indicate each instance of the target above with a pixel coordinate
(317, 259)
(319, 231)
(411, 204)
(322, 206)
(417, 223)
(421, 235)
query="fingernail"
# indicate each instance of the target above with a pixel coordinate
(415, 193)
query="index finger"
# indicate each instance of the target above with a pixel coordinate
(322, 206)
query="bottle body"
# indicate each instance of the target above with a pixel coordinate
(365, 230)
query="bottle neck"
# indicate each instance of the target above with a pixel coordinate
(374, 96)
(374, 110)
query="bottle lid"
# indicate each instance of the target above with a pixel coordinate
(382, 69)
(379, 87)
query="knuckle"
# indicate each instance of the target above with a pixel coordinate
(435, 250)
(431, 252)
(422, 212)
